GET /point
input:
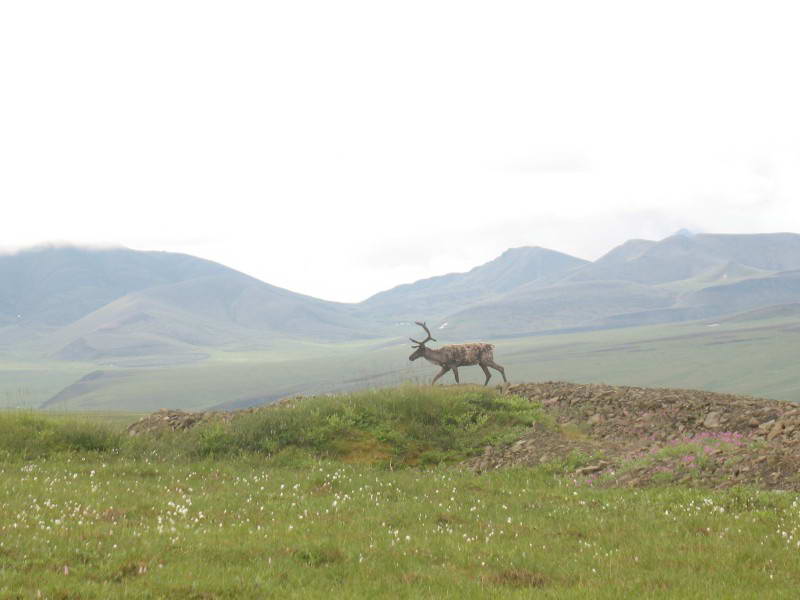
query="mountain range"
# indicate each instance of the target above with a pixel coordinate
(79, 304)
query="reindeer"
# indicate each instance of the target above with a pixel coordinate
(456, 355)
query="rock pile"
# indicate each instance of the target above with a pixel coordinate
(174, 420)
(166, 420)
(619, 412)
(623, 432)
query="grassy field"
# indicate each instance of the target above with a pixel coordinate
(748, 357)
(26, 383)
(735, 357)
(333, 498)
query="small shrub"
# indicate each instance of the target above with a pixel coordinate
(415, 424)
(407, 425)
(214, 440)
(32, 436)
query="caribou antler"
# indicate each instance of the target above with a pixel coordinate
(430, 338)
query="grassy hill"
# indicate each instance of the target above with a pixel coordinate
(355, 496)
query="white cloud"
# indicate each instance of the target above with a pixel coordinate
(341, 148)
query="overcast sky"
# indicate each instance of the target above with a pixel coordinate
(338, 148)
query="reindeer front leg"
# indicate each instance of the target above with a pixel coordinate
(486, 372)
(455, 372)
(444, 370)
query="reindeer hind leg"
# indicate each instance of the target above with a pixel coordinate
(455, 372)
(499, 369)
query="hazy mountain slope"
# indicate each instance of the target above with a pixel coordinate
(567, 305)
(227, 310)
(86, 304)
(627, 251)
(766, 251)
(137, 325)
(438, 296)
(57, 285)
(748, 294)
(778, 311)
(680, 278)
(244, 302)
(683, 257)
(718, 274)
(123, 306)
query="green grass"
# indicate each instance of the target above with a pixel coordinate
(28, 383)
(108, 527)
(746, 357)
(398, 426)
(405, 425)
(734, 357)
(29, 435)
(303, 503)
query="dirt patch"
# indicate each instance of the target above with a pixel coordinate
(618, 435)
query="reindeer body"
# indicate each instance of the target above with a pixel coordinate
(450, 357)
(459, 355)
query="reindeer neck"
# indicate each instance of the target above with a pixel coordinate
(433, 355)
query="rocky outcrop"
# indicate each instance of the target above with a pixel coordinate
(621, 412)
(623, 435)
(166, 420)
(174, 420)
(620, 435)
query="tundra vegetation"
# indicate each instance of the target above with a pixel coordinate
(362, 495)
(739, 357)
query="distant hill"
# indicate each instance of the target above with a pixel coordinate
(750, 293)
(59, 284)
(436, 297)
(778, 311)
(565, 305)
(680, 278)
(122, 329)
(682, 257)
(134, 308)
(88, 304)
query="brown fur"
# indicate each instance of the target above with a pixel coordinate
(449, 358)
(462, 355)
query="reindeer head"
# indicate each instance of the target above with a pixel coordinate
(420, 346)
